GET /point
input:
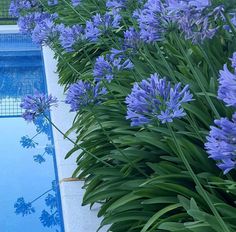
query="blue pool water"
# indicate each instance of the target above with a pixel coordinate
(29, 196)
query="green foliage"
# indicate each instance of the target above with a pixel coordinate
(148, 187)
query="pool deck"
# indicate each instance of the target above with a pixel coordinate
(77, 218)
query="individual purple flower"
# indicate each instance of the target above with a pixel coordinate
(27, 142)
(52, 2)
(83, 93)
(36, 105)
(152, 20)
(221, 143)
(22, 207)
(68, 36)
(155, 100)
(131, 39)
(227, 84)
(75, 3)
(106, 68)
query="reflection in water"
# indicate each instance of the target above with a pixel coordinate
(50, 217)
(27, 142)
(25, 146)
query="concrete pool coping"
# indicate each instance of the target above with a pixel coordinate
(77, 218)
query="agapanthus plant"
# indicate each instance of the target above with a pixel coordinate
(195, 18)
(155, 100)
(68, 36)
(83, 94)
(106, 67)
(101, 24)
(37, 105)
(152, 20)
(227, 84)
(221, 143)
(40, 26)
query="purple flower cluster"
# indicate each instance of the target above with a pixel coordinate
(131, 39)
(40, 25)
(154, 99)
(17, 5)
(195, 18)
(221, 143)
(68, 36)
(82, 94)
(36, 105)
(152, 20)
(227, 84)
(101, 24)
(106, 67)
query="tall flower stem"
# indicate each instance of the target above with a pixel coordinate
(196, 76)
(75, 144)
(228, 21)
(197, 182)
(117, 148)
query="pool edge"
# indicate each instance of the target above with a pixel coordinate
(77, 218)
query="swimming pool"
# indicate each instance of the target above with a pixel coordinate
(29, 196)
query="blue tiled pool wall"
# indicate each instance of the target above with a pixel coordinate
(22, 72)
(21, 66)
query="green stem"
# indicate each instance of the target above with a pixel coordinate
(75, 144)
(197, 182)
(170, 70)
(195, 74)
(228, 20)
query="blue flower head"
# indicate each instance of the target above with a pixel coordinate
(101, 24)
(152, 20)
(68, 36)
(227, 84)
(36, 105)
(106, 68)
(22, 207)
(154, 99)
(195, 18)
(221, 143)
(83, 93)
